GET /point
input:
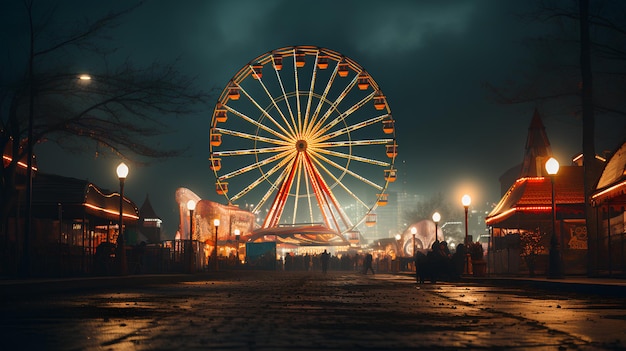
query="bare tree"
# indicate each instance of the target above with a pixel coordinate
(121, 108)
(593, 86)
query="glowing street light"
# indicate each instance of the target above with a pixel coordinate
(216, 224)
(237, 234)
(555, 269)
(191, 206)
(122, 173)
(436, 219)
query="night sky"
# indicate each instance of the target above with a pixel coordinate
(431, 59)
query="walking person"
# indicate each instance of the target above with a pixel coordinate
(325, 258)
(367, 263)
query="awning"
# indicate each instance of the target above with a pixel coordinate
(300, 235)
(534, 195)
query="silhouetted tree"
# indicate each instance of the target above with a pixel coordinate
(595, 85)
(120, 108)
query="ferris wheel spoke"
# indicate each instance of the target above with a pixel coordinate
(343, 115)
(329, 197)
(350, 172)
(251, 151)
(254, 165)
(273, 187)
(291, 132)
(323, 98)
(297, 86)
(297, 192)
(286, 99)
(252, 137)
(337, 181)
(260, 179)
(353, 157)
(256, 123)
(334, 105)
(350, 128)
(320, 194)
(286, 134)
(310, 97)
(354, 142)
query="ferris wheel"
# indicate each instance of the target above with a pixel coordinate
(304, 135)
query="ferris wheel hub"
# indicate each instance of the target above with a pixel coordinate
(301, 145)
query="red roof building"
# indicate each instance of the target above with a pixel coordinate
(521, 223)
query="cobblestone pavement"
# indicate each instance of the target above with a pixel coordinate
(311, 311)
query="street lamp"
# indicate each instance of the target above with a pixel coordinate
(413, 232)
(555, 269)
(191, 205)
(122, 173)
(216, 223)
(436, 219)
(466, 200)
(237, 233)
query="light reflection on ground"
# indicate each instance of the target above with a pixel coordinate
(245, 311)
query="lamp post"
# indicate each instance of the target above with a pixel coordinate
(216, 223)
(413, 232)
(466, 200)
(191, 206)
(122, 173)
(436, 219)
(237, 234)
(555, 269)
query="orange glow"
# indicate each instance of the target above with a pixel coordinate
(216, 139)
(595, 197)
(300, 59)
(257, 71)
(383, 199)
(391, 150)
(509, 212)
(322, 62)
(8, 160)
(364, 82)
(278, 62)
(221, 188)
(216, 164)
(114, 212)
(379, 102)
(343, 70)
(388, 126)
(390, 175)
(233, 93)
(370, 220)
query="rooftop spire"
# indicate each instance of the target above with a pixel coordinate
(537, 148)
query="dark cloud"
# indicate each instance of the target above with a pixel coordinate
(429, 57)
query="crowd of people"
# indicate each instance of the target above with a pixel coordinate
(436, 264)
(363, 263)
(439, 264)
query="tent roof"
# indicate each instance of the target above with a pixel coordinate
(612, 184)
(77, 197)
(301, 235)
(534, 195)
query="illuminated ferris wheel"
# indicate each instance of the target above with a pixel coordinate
(303, 134)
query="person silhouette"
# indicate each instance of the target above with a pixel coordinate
(367, 264)
(325, 258)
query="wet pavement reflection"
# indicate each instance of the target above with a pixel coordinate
(310, 310)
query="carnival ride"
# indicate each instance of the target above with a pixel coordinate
(304, 137)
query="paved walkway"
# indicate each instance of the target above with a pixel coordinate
(244, 310)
